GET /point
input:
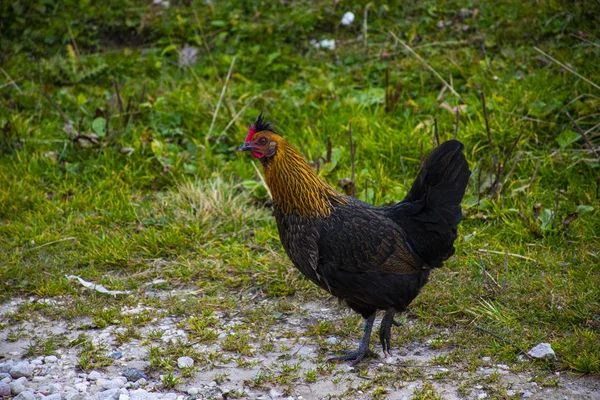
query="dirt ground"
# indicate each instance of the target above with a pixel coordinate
(293, 368)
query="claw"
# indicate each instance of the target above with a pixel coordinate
(385, 331)
(363, 351)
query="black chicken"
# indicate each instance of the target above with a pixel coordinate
(374, 258)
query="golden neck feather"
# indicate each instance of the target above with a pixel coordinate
(296, 187)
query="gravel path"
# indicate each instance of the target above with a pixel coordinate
(292, 369)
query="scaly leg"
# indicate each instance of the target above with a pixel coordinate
(363, 348)
(385, 335)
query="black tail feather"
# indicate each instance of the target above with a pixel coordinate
(431, 211)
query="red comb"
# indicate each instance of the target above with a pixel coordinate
(251, 132)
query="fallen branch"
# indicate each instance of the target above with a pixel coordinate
(504, 340)
(502, 253)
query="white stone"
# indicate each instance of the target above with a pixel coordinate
(110, 394)
(24, 396)
(123, 396)
(193, 391)
(50, 359)
(185, 362)
(115, 383)
(527, 395)
(348, 18)
(82, 387)
(21, 369)
(4, 390)
(94, 376)
(53, 396)
(17, 387)
(274, 394)
(333, 340)
(6, 366)
(542, 350)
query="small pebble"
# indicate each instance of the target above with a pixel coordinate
(21, 369)
(24, 396)
(4, 390)
(185, 362)
(6, 366)
(333, 340)
(94, 376)
(134, 374)
(16, 388)
(116, 383)
(50, 359)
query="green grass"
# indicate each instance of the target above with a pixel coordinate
(161, 195)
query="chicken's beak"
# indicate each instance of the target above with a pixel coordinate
(246, 147)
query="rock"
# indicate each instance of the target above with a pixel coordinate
(510, 392)
(50, 359)
(333, 340)
(124, 396)
(82, 387)
(25, 396)
(116, 383)
(21, 369)
(116, 355)
(74, 396)
(5, 375)
(185, 362)
(141, 382)
(542, 351)
(48, 389)
(527, 394)
(16, 388)
(7, 366)
(170, 396)
(134, 374)
(274, 394)
(141, 394)
(94, 376)
(110, 394)
(193, 391)
(4, 390)
(54, 396)
(347, 18)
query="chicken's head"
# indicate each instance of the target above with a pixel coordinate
(261, 141)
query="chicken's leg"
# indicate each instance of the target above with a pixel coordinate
(385, 330)
(363, 348)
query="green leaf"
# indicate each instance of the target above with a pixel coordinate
(546, 219)
(566, 138)
(98, 126)
(168, 49)
(583, 210)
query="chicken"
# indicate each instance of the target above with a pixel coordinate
(373, 258)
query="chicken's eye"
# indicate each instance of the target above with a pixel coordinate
(262, 140)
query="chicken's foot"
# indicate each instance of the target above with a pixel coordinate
(385, 330)
(363, 348)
